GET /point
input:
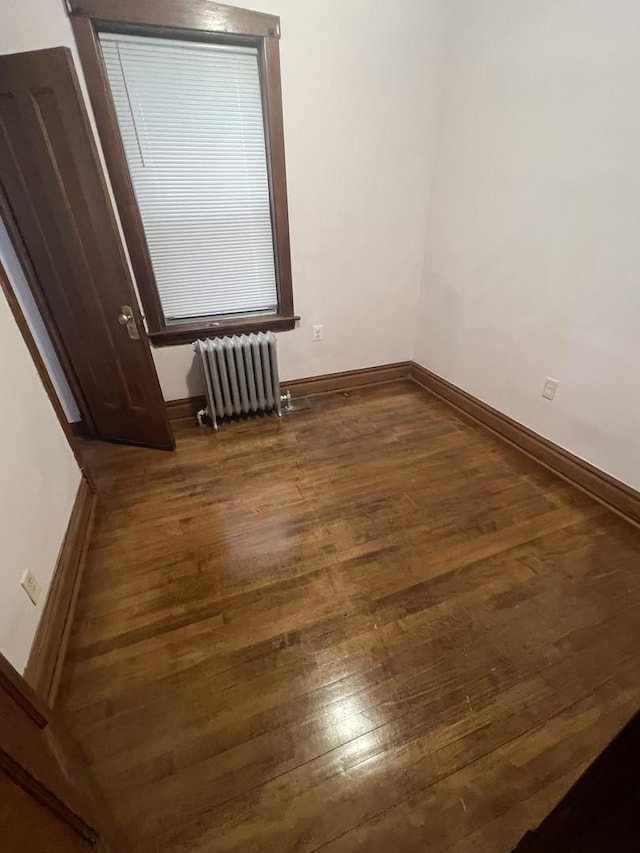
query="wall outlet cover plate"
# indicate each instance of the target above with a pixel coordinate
(550, 387)
(31, 586)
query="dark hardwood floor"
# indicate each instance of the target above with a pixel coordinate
(369, 626)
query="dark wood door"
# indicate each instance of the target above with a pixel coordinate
(62, 215)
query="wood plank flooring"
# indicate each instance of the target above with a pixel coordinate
(369, 626)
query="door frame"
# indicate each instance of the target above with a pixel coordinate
(14, 685)
(88, 817)
(47, 318)
(25, 331)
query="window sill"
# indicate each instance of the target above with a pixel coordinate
(186, 333)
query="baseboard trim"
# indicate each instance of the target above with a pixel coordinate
(606, 489)
(348, 380)
(328, 383)
(50, 644)
(185, 407)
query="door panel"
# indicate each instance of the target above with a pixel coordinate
(55, 188)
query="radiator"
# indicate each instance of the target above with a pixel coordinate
(240, 375)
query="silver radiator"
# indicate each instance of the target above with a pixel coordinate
(240, 375)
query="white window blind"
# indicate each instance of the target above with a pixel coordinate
(190, 115)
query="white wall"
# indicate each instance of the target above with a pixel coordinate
(360, 92)
(533, 261)
(39, 479)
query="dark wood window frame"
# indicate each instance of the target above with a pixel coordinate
(186, 19)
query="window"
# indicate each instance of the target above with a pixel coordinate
(190, 116)
(191, 124)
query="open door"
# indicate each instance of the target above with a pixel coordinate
(64, 229)
(48, 799)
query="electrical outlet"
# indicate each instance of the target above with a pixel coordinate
(30, 585)
(317, 333)
(549, 388)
